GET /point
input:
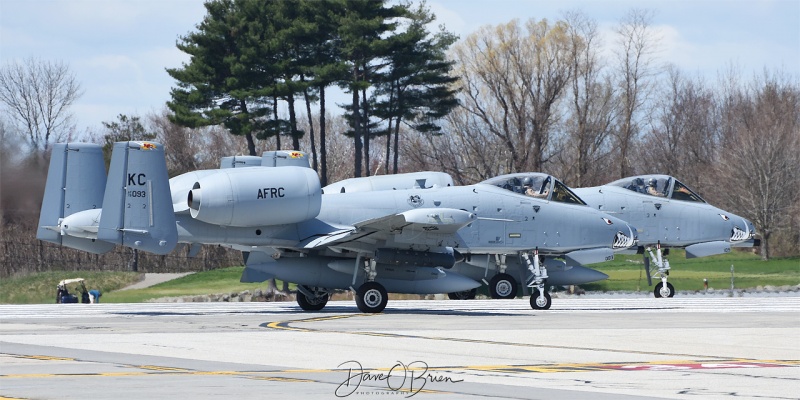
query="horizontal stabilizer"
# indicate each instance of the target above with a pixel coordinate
(137, 205)
(707, 249)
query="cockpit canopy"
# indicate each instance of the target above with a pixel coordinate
(536, 185)
(659, 186)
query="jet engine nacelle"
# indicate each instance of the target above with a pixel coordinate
(249, 197)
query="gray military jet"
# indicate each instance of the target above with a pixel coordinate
(502, 273)
(669, 214)
(275, 212)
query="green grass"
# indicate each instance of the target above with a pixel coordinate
(625, 273)
(222, 280)
(41, 287)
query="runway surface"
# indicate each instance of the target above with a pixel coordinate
(698, 348)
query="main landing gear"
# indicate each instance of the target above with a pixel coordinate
(663, 288)
(502, 285)
(371, 296)
(312, 299)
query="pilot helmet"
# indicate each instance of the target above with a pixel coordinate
(652, 182)
(527, 181)
(638, 182)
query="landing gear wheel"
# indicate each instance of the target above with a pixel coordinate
(465, 295)
(371, 297)
(661, 291)
(312, 303)
(503, 286)
(537, 304)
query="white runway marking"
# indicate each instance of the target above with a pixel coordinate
(516, 306)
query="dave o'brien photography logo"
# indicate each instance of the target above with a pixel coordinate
(401, 378)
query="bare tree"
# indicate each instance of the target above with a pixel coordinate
(759, 158)
(590, 110)
(190, 149)
(683, 136)
(339, 159)
(636, 68)
(38, 95)
(512, 79)
(467, 152)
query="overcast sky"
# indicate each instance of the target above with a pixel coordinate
(118, 49)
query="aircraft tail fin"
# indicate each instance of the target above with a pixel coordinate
(137, 204)
(76, 181)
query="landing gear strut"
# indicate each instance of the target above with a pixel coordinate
(664, 288)
(540, 298)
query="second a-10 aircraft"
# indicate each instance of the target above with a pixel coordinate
(668, 214)
(417, 239)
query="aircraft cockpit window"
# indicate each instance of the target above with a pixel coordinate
(653, 185)
(535, 185)
(562, 194)
(681, 192)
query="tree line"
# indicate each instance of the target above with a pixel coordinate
(249, 58)
(532, 95)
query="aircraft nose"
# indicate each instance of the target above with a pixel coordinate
(751, 226)
(626, 235)
(743, 229)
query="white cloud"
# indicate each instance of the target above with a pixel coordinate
(449, 18)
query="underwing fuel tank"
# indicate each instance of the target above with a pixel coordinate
(337, 273)
(562, 275)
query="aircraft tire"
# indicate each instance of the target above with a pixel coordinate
(465, 295)
(535, 303)
(503, 286)
(668, 292)
(312, 304)
(371, 297)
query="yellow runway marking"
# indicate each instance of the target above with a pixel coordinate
(158, 368)
(284, 325)
(45, 358)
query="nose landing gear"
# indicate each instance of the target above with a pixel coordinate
(663, 288)
(540, 298)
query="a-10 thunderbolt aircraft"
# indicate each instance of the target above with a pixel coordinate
(669, 214)
(502, 273)
(274, 210)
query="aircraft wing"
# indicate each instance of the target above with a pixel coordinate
(423, 224)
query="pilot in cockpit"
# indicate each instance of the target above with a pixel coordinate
(637, 185)
(652, 189)
(527, 183)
